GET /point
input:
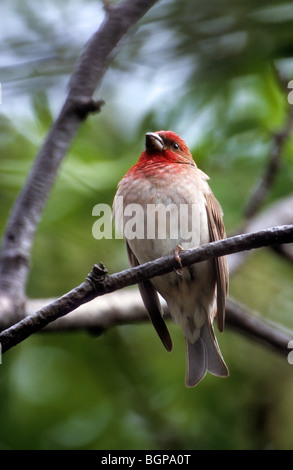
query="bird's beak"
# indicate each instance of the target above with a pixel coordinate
(154, 142)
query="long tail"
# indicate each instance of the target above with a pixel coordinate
(204, 355)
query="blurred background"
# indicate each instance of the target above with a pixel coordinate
(209, 71)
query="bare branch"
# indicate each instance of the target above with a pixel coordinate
(259, 329)
(26, 213)
(98, 283)
(260, 192)
(126, 307)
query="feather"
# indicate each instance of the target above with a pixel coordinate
(152, 304)
(217, 232)
(196, 362)
(202, 355)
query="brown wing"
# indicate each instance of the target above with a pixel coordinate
(217, 232)
(152, 304)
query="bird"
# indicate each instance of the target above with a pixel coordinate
(166, 176)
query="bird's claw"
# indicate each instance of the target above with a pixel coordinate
(178, 271)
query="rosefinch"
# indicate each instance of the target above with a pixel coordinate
(166, 175)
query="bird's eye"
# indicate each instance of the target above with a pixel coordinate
(175, 146)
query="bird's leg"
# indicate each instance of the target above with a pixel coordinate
(177, 257)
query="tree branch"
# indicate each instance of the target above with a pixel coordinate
(26, 213)
(262, 188)
(259, 329)
(99, 283)
(126, 307)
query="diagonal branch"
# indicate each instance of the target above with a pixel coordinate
(258, 328)
(26, 213)
(98, 283)
(263, 186)
(125, 307)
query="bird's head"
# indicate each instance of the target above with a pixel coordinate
(166, 146)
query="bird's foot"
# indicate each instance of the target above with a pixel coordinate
(178, 271)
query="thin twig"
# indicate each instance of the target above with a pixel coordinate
(263, 186)
(259, 329)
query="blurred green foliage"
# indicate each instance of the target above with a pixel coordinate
(207, 71)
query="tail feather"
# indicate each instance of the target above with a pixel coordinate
(196, 362)
(202, 356)
(216, 363)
